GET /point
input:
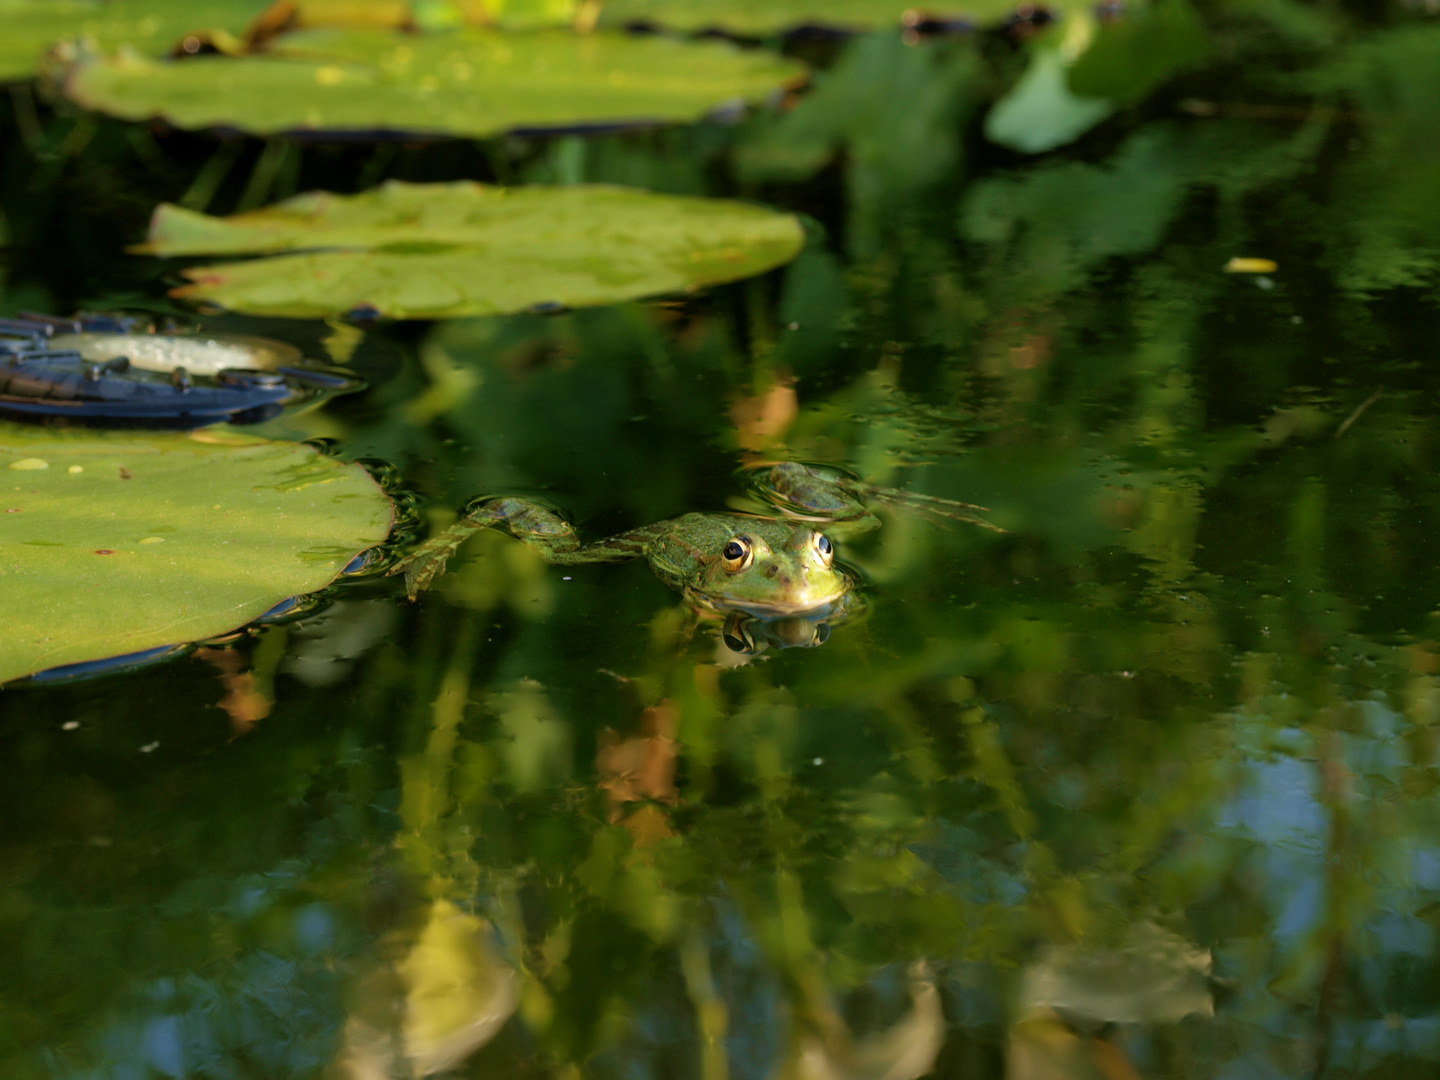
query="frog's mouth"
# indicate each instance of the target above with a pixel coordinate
(830, 607)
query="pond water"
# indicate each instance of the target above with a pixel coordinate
(1145, 785)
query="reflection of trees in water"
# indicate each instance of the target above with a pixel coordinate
(529, 829)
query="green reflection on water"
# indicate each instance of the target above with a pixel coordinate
(1146, 786)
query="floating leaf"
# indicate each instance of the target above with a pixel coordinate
(469, 83)
(762, 17)
(28, 28)
(286, 15)
(116, 542)
(446, 250)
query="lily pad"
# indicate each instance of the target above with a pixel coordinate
(468, 83)
(761, 18)
(116, 542)
(448, 250)
(28, 28)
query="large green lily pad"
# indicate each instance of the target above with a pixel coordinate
(764, 17)
(115, 542)
(468, 83)
(30, 27)
(447, 250)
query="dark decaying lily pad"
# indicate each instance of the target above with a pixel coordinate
(101, 374)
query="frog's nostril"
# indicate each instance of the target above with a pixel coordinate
(771, 571)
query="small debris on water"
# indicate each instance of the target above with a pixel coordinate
(565, 579)
(124, 473)
(1242, 265)
(70, 725)
(104, 551)
(29, 464)
(153, 540)
(75, 469)
(150, 747)
(818, 761)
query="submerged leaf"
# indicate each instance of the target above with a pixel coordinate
(1041, 112)
(126, 541)
(1133, 54)
(468, 83)
(445, 250)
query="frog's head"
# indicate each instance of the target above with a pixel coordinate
(769, 572)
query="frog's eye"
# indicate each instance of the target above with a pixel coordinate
(824, 550)
(739, 643)
(736, 554)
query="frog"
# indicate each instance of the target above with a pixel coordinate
(767, 565)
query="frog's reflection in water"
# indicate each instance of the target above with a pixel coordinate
(748, 633)
(751, 635)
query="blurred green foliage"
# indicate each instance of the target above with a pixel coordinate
(1179, 722)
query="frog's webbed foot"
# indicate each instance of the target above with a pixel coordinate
(818, 492)
(930, 507)
(427, 562)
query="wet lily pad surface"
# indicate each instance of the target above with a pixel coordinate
(467, 83)
(756, 16)
(441, 250)
(28, 28)
(116, 542)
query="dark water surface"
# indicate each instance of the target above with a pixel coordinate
(1146, 786)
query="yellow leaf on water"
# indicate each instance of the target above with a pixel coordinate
(1239, 265)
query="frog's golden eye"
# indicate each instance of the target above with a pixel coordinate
(736, 554)
(824, 550)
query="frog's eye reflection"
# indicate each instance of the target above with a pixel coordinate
(738, 644)
(736, 554)
(823, 548)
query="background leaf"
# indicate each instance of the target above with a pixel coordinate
(441, 250)
(467, 82)
(30, 27)
(770, 17)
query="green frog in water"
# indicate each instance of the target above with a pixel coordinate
(767, 566)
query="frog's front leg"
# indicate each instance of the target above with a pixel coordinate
(536, 526)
